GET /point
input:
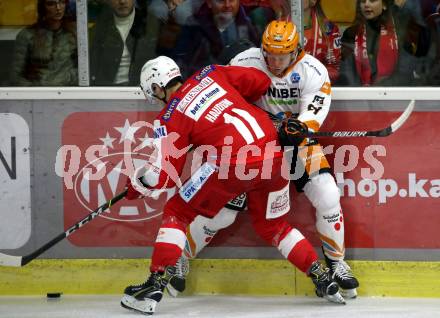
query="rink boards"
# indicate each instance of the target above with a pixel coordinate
(217, 277)
(391, 222)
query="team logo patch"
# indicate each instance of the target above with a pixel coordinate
(278, 203)
(295, 77)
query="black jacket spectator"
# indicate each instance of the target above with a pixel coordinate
(431, 74)
(107, 47)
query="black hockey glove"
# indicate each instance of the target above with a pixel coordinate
(292, 132)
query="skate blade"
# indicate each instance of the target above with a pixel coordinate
(335, 298)
(172, 291)
(349, 293)
(146, 306)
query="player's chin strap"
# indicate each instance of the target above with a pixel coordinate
(163, 99)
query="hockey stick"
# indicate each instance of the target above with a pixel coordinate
(368, 133)
(19, 261)
(358, 133)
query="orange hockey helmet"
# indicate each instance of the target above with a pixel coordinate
(280, 37)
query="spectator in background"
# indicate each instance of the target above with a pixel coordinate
(178, 10)
(123, 39)
(46, 52)
(173, 15)
(426, 7)
(280, 8)
(376, 49)
(94, 8)
(431, 74)
(220, 30)
(261, 12)
(412, 14)
(322, 38)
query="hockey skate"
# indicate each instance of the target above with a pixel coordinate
(144, 297)
(177, 283)
(325, 286)
(342, 274)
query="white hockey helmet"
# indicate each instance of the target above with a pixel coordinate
(159, 71)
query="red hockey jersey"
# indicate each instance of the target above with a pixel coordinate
(211, 113)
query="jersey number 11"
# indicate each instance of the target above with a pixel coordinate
(241, 127)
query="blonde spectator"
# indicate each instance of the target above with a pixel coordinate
(46, 52)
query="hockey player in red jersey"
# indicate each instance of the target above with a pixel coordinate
(210, 113)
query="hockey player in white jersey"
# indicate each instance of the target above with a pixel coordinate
(300, 90)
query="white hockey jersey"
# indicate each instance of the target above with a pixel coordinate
(304, 89)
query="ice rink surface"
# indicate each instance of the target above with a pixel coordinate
(220, 307)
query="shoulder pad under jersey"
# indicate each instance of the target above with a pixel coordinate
(250, 57)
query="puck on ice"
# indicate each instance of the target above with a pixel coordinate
(53, 295)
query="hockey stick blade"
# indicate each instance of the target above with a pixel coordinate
(365, 133)
(10, 260)
(19, 261)
(403, 117)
